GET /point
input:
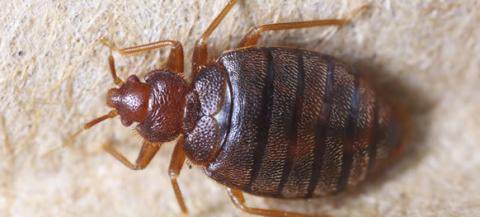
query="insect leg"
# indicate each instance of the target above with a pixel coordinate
(239, 201)
(147, 152)
(175, 59)
(254, 35)
(176, 164)
(200, 53)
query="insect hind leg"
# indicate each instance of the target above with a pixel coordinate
(252, 37)
(239, 201)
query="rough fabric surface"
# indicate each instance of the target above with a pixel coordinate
(54, 77)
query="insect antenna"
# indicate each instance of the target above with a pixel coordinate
(86, 126)
(95, 121)
(111, 61)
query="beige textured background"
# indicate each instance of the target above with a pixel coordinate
(54, 78)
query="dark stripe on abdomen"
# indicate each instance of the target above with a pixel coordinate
(292, 130)
(372, 146)
(264, 119)
(321, 128)
(350, 137)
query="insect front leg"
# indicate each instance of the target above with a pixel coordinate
(147, 152)
(174, 62)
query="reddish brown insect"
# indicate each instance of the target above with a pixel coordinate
(274, 122)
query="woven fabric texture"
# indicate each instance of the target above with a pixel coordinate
(54, 77)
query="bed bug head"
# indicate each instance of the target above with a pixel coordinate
(130, 100)
(156, 104)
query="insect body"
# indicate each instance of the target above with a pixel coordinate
(275, 122)
(287, 123)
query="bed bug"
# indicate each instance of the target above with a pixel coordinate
(269, 121)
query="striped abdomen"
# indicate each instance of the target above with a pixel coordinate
(302, 124)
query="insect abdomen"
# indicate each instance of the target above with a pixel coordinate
(302, 125)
